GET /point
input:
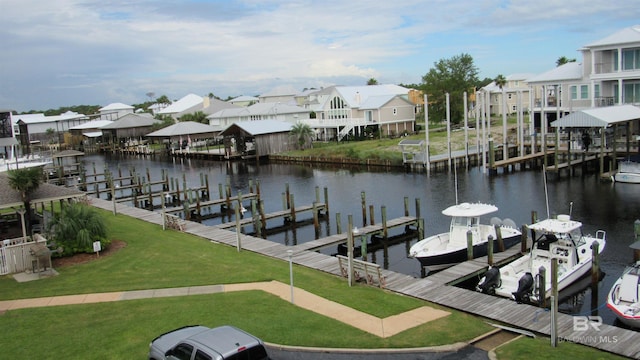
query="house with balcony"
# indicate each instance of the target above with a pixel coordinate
(515, 93)
(608, 75)
(260, 111)
(361, 111)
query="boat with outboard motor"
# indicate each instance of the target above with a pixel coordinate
(624, 296)
(628, 172)
(443, 250)
(559, 238)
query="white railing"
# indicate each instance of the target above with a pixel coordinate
(15, 256)
(337, 122)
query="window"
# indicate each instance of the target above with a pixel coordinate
(574, 92)
(631, 59)
(182, 352)
(584, 91)
(395, 111)
(201, 356)
(596, 91)
(632, 93)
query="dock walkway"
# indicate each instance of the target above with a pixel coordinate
(433, 289)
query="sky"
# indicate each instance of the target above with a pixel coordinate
(85, 52)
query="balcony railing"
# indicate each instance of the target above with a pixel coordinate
(604, 67)
(604, 101)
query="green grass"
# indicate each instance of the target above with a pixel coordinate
(540, 349)
(154, 258)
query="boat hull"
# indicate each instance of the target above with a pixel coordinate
(626, 307)
(630, 178)
(441, 261)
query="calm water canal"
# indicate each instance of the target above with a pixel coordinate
(597, 204)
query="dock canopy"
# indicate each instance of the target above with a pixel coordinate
(185, 128)
(598, 117)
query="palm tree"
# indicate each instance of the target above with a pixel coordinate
(500, 81)
(302, 133)
(76, 227)
(26, 181)
(372, 81)
(563, 60)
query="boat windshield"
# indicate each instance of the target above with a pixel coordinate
(464, 221)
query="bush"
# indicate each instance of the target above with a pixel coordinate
(76, 227)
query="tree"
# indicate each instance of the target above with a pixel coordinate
(26, 181)
(453, 76)
(197, 116)
(76, 227)
(302, 134)
(564, 60)
(500, 81)
(372, 81)
(163, 99)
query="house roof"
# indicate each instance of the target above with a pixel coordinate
(95, 124)
(185, 103)
(599, 117)
(184, 128)
(624, 36)
(41, 118)
(268, 108)
(116, 106)
(44, 193)
(243, 98)
(258, 127)
(284, 90)
(568, 71)
(131, 121)
(356, 96)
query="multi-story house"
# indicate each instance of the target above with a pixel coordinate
(608, 75)
(360, 110)
(516, 86)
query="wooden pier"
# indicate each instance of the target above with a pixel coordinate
(435, 289)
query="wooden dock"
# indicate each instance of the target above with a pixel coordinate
(369, 230)
(433, 289)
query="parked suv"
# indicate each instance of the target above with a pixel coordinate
(203, 343)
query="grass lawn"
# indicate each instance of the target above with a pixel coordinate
(154, 258)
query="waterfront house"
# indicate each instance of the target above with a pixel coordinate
(114, 111)
(260, 111)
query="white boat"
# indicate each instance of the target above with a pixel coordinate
(628, 172)
(23, 162)
(440, 251)
(624, 296)
(560, 238)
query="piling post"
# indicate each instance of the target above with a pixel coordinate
(595, 263)
(150, 196)
(286, 191)
(317, 194)
(636, 232)
(469, 245)
(554, 300)
(363, 205)
(326, 199)
(263, 219)
(293, 209)
(220, 191)
(371, 215)
(417, 208)
(489, 250)
(542, 297)
(350, 249)
(499, 238)
(385, 230)
(363, 247)
(406, 206)
(492, 154)
(258, 189)
(316, 224)
(338, 224)
(523, 239)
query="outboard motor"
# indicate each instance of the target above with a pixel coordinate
(490, 282)
(525, 288)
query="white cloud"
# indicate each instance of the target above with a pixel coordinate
(68, 52)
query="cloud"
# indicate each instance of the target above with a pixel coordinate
(65, 52)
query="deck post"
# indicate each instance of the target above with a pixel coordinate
(350, 249)
(523, 239)
(385, 230)
(542, 273)
(595, 264)
(406, 206)
(287, 193)
(499, 238)
(316, 225)
(636, 232)
(469, 245)
(326, 199)
(554, 302)
(363, 204)
(238, 245)
(489, 250)
(338, 224)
